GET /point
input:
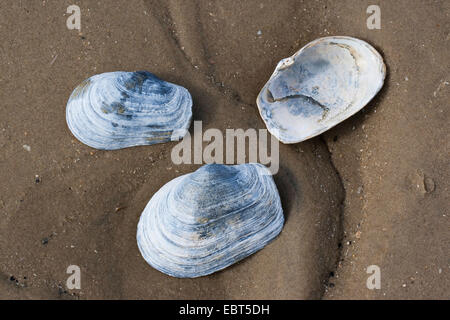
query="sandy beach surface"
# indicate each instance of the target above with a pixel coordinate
(374, 190)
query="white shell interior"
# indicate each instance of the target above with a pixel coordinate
(321, 85)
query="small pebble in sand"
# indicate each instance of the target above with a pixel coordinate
(358, 234)
(429, 184)
(53, 60)
(27, 147)
(259, 32)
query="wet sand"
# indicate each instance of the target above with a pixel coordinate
(371, 191)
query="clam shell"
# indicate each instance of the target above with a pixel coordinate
(205, 221)
(117, 110)
(321, 85)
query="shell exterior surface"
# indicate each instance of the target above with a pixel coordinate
(205, 221)
(117, 110)
(321, 85)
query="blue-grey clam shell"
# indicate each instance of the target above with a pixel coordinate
(116, 110)
(321, 85)
(204, 221)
